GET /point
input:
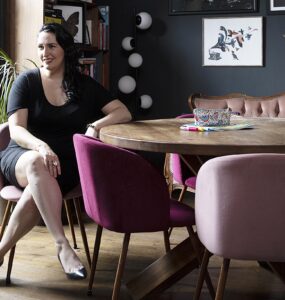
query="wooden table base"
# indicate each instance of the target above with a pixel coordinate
(164, 272)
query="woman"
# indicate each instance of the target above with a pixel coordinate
(46, 107)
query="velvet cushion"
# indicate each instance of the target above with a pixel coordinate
(269, 106)
(239, 206)
(191, 182)
(181, 214)
(121, 190)
(11, 193)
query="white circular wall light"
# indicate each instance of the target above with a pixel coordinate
(146, 101)
(128, 43)
(143, 20)
(135, 60)
(127, 84)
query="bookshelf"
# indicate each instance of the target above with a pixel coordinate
(27, 17)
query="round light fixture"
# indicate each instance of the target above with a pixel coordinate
(135, 60)
(143, 20)
(128, 43)
(127, 84)
(146, 101)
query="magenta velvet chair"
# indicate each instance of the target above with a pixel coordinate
(124, 193)
(239, 210)
(12, 194)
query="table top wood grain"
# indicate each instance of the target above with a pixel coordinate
(165, 135)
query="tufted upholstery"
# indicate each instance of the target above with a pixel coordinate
(248, 106)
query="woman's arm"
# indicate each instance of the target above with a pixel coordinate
(20, 134)
(115, 112)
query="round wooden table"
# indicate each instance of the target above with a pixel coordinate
(165, 135)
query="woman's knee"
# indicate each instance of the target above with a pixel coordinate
(29, 163)
(35, 164)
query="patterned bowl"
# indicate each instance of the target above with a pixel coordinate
(212, 117)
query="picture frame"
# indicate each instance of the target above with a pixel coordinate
(276, 7)
(232, 41)
(182, 7)
(73, 19)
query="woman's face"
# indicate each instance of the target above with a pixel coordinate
(50, 52)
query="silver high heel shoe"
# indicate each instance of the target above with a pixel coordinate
(77, 275)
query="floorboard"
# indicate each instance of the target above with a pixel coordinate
(37, 273)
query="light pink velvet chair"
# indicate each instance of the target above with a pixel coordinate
(180, 170)
(12, 194)
(239, 210)
(124, 193)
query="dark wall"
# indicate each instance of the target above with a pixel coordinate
(2, 24)
(172, 53)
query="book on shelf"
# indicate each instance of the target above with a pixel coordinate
(93, 66)
(52, 16)
(88, 37)
(103, 30)
(92, 20)
(87, 60)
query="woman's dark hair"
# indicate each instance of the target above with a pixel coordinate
(71, 55)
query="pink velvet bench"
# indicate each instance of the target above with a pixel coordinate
(248, 106)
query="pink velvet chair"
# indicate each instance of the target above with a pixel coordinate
(239, 210)
(12, 194)
(180, 170)
(124, 193)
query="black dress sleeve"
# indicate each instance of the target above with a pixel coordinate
(95, 93)
(19, 95)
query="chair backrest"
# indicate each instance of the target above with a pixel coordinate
(240, 206)
(4, 135)
(121, 190)
(4, 141)
(248, 106)
(178, 168)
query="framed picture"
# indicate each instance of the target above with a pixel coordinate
(73, 19)
(180, 7)
(232, 41)
(276, 6)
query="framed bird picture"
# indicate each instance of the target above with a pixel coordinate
(232, 41)
(73, 19)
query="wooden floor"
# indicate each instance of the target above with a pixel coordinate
(37, 274)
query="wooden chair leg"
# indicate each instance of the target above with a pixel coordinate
(82, 228)
(10, 265)
(121, 266)
(6, 217)
(197, 246)
(166, 241)
(8, 210)
(182, 193)
(70, 222)
(201, 277)
(223, 279)
(95, 258)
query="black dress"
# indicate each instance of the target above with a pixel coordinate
(54, 125)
